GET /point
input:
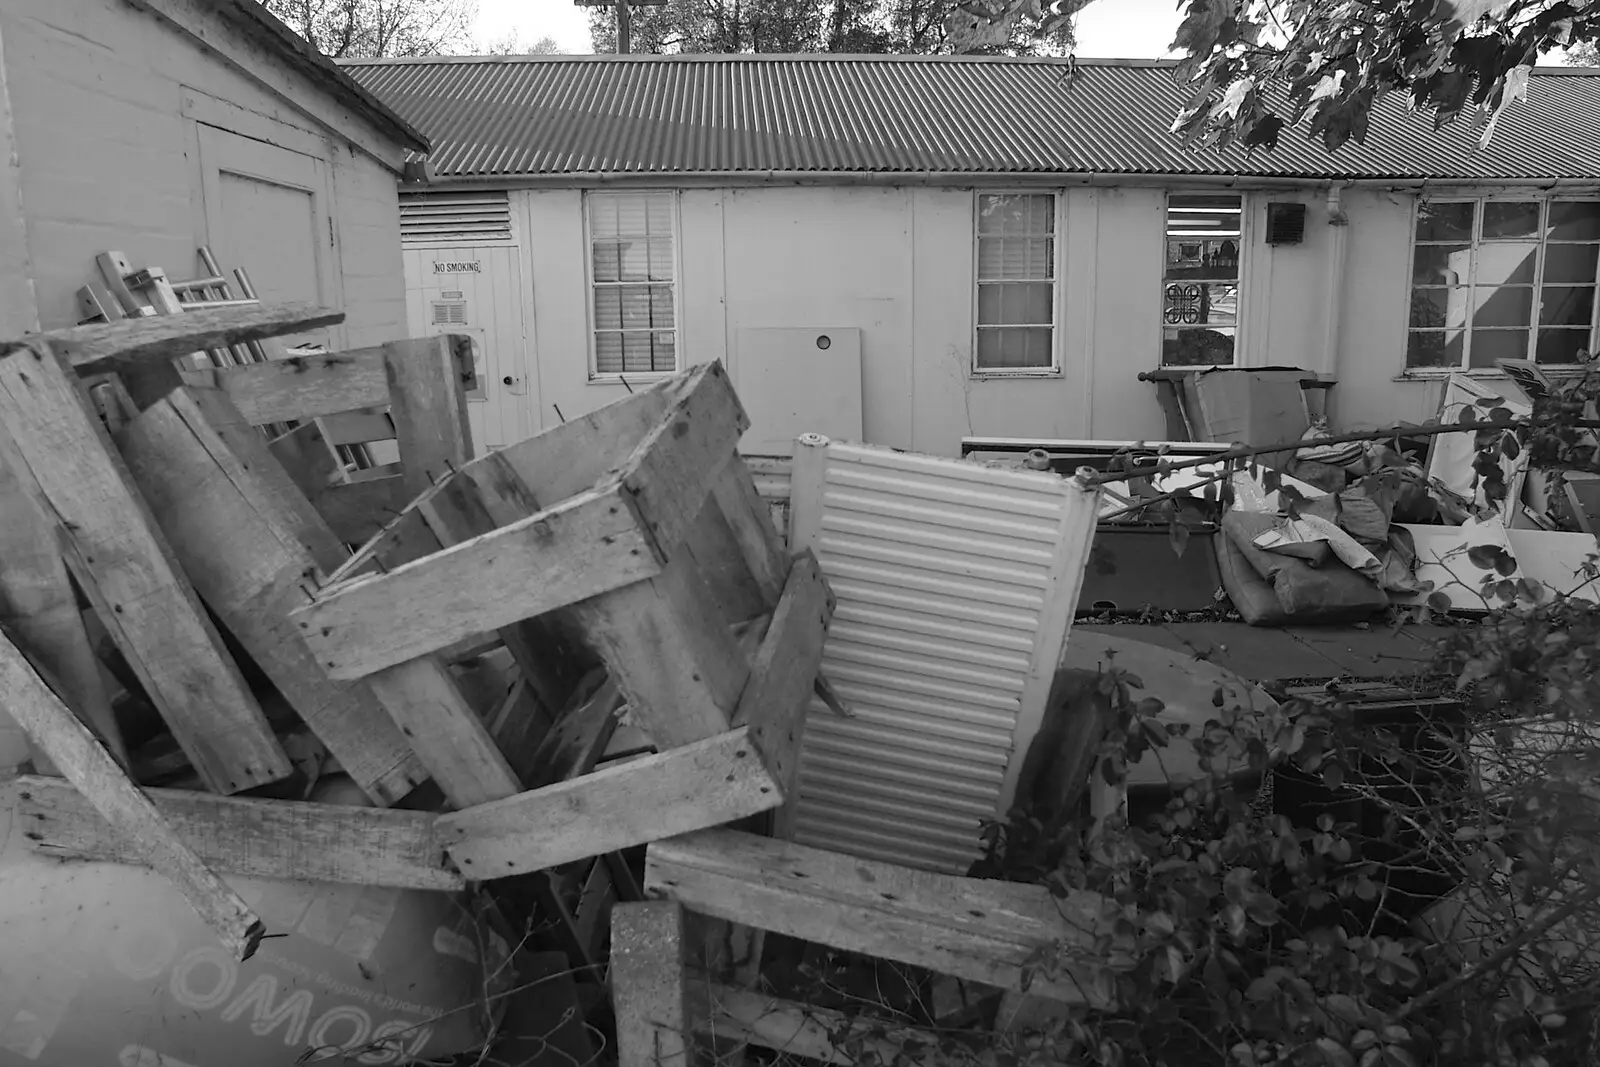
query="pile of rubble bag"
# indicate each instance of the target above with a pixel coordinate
(1340, 531)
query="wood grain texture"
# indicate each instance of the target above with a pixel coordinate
(306, 457)
(38, 607)
(93, 773)
(656, 1010)
(254, 838)
(673, 792)
(247, 539)
(148, 341)
(775, 699)
(115, 549)
(359, 511)
(979, 930)
(578, 549)
(357, 427)
(446, 733)
(429, 408)
(302, 387)
(749, 519)
(671, 471)
(670, 650)
(820, 1034)
(578, 739)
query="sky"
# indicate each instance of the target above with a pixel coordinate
(1107, 29)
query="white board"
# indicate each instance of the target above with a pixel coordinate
(798, 380)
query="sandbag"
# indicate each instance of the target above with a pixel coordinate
(1305, 593)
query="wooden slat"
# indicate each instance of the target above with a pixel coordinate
(750, 520)
(673, 792)
(254, 838)
(247, 539)
(306, 457)
(302, 387)
(822, 1034)
(656, 1011)
(716, 553)
(429, 408)
(978, 930)
(580, 548)
(670, 651)
(94, 774)
(446, 733)
(38, 607)
(774, 701)
(578, 739)
(359, 511)
(671, 471)
(105, 346)
(116, 550)
(357, 428)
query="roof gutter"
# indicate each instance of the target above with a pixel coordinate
(1056, 180)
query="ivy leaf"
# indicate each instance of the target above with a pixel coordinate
(1439, 601)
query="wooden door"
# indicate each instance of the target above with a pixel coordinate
(267, 209)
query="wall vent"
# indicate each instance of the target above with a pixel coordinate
(450, 313)
(439, 217)
(1286, 224)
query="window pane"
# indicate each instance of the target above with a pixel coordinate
(607, 261)
(659, 250)
(635, 307)
(637, 353)
(1201, 303)
(1202, 258)
(1575, 220)
(1507, 264)
(1490, 345)
(661, 313)
(1015, 304)
(659, 214)
(603, 216)
(1570, 263)
(664, 351)
(607, 353)
(1197, 347)
(1438, 308)
(1502, 306)
(1445, 222)
(607, 308)
(1510, 219)
(635, 256)
(1441, 264)
(1018, 214)
(1016, 257)
(1014, 347)
(1434, 348)
(1566, 305)
(1561, 346)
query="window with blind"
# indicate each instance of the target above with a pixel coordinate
(1502, 279)
(1016, 278)
(1200, 283)
(632, 269)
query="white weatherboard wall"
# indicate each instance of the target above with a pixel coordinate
(896, 263)
(955, 586)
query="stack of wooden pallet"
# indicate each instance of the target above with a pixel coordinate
(622, 558)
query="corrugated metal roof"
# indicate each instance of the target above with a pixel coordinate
(955, 584)
(554, 116)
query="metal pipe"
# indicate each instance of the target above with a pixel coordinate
(1338, 255)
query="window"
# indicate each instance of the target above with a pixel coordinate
(1502, 279)
(632, 266)
(1200, 287)
(1016, 274)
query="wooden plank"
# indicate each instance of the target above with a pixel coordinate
(578, 739)
(357, 428)
(750, 520)
(670, 651)
(247, 539)
(445, 732)
(92, 771)
(113, 345)
(582, 547)
(775, 700)
(250, 837)
(719, 558)
(359, 511)
(656, 1010)
(429, 408)
(703, 784)
(38, 606)
(822, 1034)
(114, 269)
(671, 472)
(978, 930)
(117, 552)
(302, 387)
(306, 457)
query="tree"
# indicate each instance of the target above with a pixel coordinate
(1584, 54)
(511, 44)
(370, 29)
(800, 26)
(1255, 67)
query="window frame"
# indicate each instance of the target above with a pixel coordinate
(1508, 195)
(591, 326)
(1246, 243)
(1057, 261)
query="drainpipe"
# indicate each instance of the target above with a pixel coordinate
(1338, 252)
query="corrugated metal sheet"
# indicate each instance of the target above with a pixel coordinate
(682, 115)
(771, 475)
(955, 585)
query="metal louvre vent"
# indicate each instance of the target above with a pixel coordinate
(450, 313)
(454, 217)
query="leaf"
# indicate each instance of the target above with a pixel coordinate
(1509, 446)
(1334, 1054)
(1439, 601)
(1501, 415)
(1177, 536)
(1483, 556)
(1150, 707)
(1467, 415)
(1505, 565)
(1333, 775)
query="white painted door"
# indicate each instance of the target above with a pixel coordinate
(477, 291)
(267, 211)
